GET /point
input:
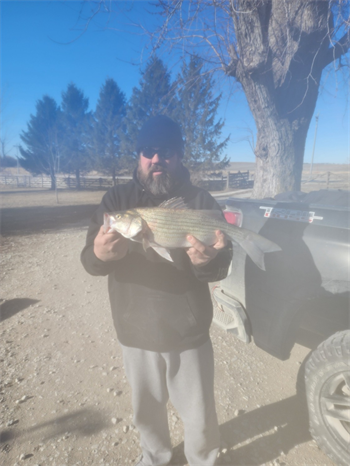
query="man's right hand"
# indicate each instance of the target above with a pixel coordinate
(110, 246)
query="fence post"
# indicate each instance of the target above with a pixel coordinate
(228, 180)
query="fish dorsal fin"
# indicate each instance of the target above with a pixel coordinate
(174, 203)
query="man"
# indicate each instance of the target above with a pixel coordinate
(162, 310)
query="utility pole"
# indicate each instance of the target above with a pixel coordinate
(313, 149)
(57, 168)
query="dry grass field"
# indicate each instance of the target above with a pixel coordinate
(338, 178)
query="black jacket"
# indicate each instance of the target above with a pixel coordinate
(156, 305)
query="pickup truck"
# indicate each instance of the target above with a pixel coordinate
(302, 297)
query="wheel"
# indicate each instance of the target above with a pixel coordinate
(327, 381)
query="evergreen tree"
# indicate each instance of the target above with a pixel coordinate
(109, 128)
(77, 126)
(155, 95)
(7, 161)
(196, 112)
(42, 140)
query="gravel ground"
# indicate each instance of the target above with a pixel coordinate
(64, 399)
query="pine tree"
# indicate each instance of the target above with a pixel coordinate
(77, 126)
(42, 140)
(7, 161)
(196, 113)
(109, 128)
(155, 95)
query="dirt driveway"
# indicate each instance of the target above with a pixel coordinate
(64, 399)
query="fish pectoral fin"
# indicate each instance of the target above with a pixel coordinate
(163, 252)
(146, 234)
(145, 243)
(230, 269)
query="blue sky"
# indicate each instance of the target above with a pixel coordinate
(41, 52)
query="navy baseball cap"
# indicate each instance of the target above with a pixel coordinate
(160, 131)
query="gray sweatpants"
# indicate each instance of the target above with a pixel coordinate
(187, 377)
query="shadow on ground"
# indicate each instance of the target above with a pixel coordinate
(261, 435)
(30, 220)
(12, 306)
(84, 422)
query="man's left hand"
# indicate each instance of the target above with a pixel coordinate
(200, 254)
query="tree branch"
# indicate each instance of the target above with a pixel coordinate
(339, 49)
(231, 68)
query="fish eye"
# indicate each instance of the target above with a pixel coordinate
(118, 216)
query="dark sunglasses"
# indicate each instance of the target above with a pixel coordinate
(163, 153)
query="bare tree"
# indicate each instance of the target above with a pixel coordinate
(6, 139)
(276, 50)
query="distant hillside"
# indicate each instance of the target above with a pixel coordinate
(316, 167)
(328, 167)
(14, 171)
(241, 166)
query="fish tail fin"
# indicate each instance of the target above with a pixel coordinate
(254, 252)
(256, 246)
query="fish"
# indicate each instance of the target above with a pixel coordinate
(167, 226)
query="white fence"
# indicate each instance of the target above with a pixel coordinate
(240, 180)
(214, 182)
(228, 180)
(63, 182)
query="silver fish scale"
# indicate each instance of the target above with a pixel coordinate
(168, 228)
(183, 222)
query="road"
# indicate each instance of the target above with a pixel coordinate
(64, 399)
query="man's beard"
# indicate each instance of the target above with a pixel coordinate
(161, 184)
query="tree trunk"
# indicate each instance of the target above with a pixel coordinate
(282, 118)
(281, 49)
(53, 179)
(77, 177)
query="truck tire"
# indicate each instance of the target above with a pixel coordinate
(327, 381)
